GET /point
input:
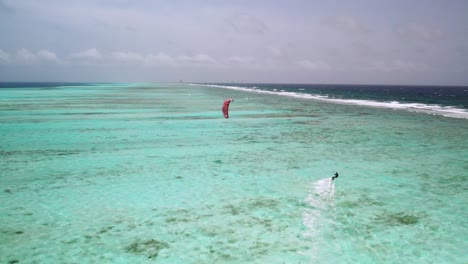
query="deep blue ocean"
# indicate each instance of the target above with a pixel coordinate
(442, 100)
(447, 99)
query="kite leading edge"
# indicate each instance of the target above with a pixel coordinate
(225, 107)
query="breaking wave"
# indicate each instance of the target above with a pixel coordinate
(448, 111)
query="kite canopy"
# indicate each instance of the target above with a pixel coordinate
(225, 107)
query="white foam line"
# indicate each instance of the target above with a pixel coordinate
(447, 111)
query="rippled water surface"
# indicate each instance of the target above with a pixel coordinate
(144, 173)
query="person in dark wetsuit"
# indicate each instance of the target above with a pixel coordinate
(336, 176)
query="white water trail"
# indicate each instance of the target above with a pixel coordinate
(321, 199)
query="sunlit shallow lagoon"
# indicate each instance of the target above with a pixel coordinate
(143, 173)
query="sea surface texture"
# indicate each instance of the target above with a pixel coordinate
(153, 173)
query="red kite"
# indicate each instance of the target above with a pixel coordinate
(225, 107)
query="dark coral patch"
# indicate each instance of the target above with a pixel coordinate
(399, 218)
(149, 248)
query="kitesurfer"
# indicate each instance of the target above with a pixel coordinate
(336, 176)
(225, 107)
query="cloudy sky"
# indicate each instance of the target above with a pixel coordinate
(295, 41)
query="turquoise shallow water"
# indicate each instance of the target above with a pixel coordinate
(149, 173)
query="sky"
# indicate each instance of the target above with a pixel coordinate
(404, 42)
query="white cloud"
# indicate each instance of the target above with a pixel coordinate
(196, 59)
(90, 54)
(5, 57)
(314, 65)
(160, 59)
(163, 59)
(47, 56)
(24, 55)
